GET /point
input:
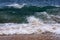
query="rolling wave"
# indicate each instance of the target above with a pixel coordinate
(18, 15)
(34, 26)
(29, 19)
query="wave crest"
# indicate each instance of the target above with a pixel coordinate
(15, 5)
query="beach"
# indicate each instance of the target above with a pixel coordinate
(44, 36)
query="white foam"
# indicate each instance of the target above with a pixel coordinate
(35, 25)
(15, 5)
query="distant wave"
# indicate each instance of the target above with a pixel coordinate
(57, 5)
(15, 5)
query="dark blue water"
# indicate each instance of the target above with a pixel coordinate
(32, 2)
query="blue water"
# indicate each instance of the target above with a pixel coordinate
(32, 2)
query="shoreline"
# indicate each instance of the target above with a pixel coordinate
(44, 36)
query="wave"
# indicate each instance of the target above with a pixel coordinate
(29, 20)
(34, 26)
(34, 17)
(18, 15)
(15, 5)
(48, 18)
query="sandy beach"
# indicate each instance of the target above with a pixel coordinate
(44, 36)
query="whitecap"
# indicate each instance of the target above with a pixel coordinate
(15, 5)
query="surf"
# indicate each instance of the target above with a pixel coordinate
(34, 25)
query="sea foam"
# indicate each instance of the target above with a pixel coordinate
(34, 25)
(15, 5)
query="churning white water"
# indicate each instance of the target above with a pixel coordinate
(34, 25)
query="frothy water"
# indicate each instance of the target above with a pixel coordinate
(34, 25)
(45, 17)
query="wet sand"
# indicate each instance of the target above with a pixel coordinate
(44, 36)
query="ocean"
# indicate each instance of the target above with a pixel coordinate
(29, 16)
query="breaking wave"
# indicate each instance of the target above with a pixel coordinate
(15, 19)
(34, 25)
(18, 15)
